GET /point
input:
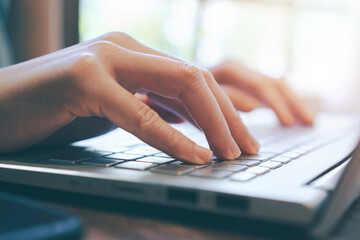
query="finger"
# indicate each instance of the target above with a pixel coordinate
(297, 105)
(259, 85)
(241, 100)
(276, 101)
(176, 79)
(173, 105)
(250, 146)
(238, 75)
(132, 115)
(169, 115)
(126, 41)
(238, 130)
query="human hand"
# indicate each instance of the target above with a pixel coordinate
(248, 89)
(99, 78)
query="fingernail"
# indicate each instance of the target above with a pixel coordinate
(309, 119)
(255, 145)
(204, 154)
(235, 150)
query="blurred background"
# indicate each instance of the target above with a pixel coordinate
(313, 44)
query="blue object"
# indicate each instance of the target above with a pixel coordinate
(26, 219)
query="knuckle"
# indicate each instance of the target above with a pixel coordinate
(191, 77)
(84, 62)
(207, 74)
(178, 140)
(117, 36)
(102, 46)
(189, 71)
(146, 119)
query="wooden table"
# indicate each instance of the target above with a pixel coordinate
(109, 219)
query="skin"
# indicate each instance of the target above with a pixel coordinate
(100, 79)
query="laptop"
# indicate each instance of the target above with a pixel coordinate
(302, 176)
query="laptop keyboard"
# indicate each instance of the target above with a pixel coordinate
(277, 150)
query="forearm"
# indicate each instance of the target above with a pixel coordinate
(31, 106)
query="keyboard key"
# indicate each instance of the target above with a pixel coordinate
(72, 156)
(102, 162)
(260, 156)
(273, 149)
(215, 160)
(210, 173)
(228, 167)
(281, 159)
(308, 146)
(300, 150)
(248, 163)
(197, 166)
(271, 165)
(136, 165)
(173, 169)
(108, 149)
(157, 160)
(242, 176)
(64, 161)
(305, 148)
(143, 150)
(291, 155)
(124, 156)
(257, 170)
(161, 154)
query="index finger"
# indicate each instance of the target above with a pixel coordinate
(172, 78)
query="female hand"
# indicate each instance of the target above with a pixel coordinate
(249, 89)
(99, 78)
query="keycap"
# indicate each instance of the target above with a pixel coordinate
(242, 176)
(157, 160)
(108, 149)
(260, 156)
(197, 166)
(210, 173)
(257, 170)
(143, 150)
(215, 160)
(271, 165)
(102, 162)
(136, 165)
(281, 159)
(291, 155)
(305, 148)
(300, 150)
(308, 146)
(161, 154)
(248, 163)
(229, 167)
(173, 169)
(72, 156)
(124, 156)
(273, 149)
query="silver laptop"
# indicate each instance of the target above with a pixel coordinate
(303, 176)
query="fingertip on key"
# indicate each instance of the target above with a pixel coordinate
(235, 150)
(204, 155)
(255, 145)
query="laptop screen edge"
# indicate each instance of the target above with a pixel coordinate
(346, 191)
